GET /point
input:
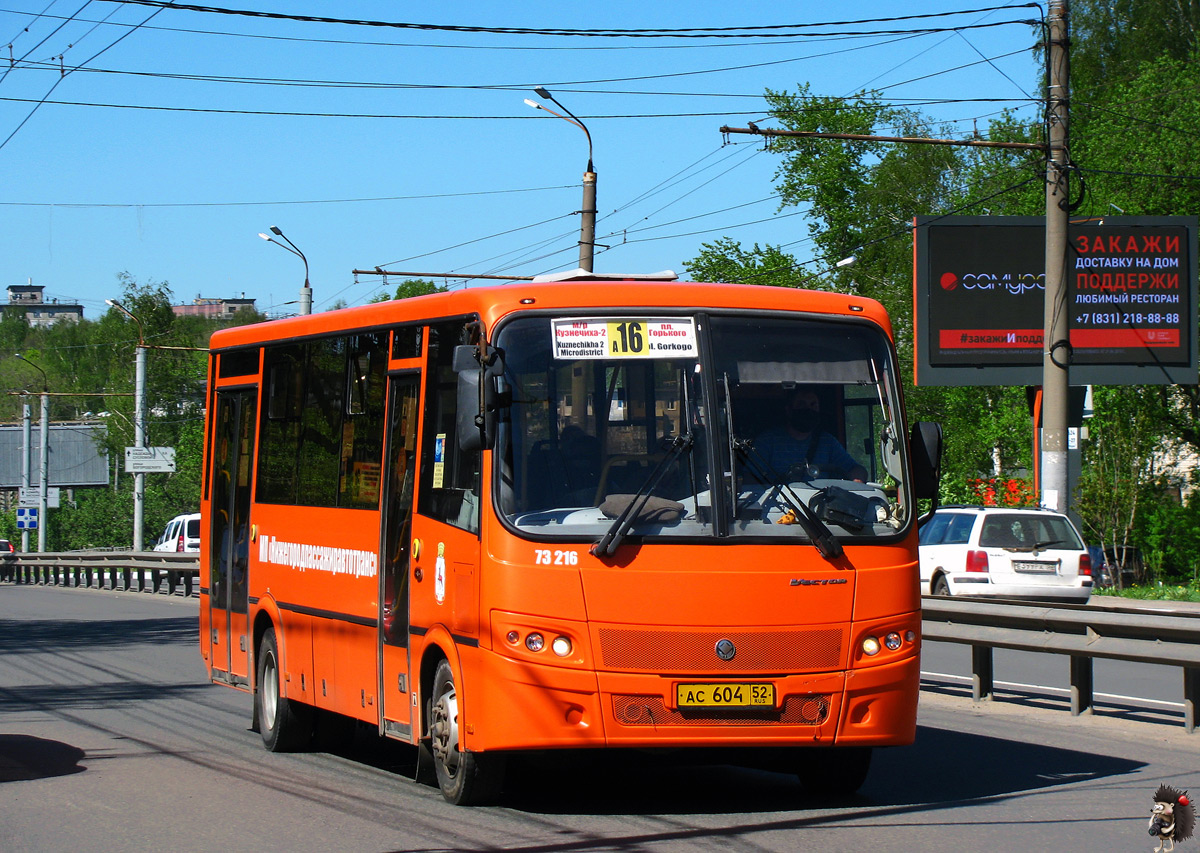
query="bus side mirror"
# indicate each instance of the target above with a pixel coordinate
(479, 395)
(926, 447)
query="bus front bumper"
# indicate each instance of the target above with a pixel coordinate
(517, 705)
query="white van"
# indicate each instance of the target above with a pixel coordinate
(182, 534)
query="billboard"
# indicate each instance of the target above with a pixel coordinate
(980, 283)
(76, 455)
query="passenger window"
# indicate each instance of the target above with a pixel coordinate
(322, 426)
(931, 533)
(958, 531)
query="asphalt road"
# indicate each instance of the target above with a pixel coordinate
(111, 739)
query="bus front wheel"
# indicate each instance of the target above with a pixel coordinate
(285, 725)
(465, 778)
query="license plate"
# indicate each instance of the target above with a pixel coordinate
(1036, 568)
(725, 695)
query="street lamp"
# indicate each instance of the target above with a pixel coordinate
(306, 291)
(43, 490)
(45, 379)
(587, 227)
(139, 426)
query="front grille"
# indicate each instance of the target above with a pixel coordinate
(684, 651)
(810, 710)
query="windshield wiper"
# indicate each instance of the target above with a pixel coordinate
(1042, 546)
(611, 540)
(822, 537)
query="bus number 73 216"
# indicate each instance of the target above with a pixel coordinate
(570, 515)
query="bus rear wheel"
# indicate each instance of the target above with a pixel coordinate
(285, 725)
(465, 778)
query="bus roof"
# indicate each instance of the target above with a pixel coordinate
(493, 303)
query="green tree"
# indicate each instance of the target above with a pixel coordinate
(1120, 463)
(726, 261)
(410, 287)
(89, 366)
(1111, 39)
(862, 196)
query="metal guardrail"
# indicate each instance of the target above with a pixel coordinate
(144, 571)
(1081, 632)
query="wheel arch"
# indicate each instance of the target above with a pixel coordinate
(439, 645)
(266, 617)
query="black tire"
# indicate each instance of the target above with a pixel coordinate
(465, 778)
(285, 725)
(834, 772)
(941, 586)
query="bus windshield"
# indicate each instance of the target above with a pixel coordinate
(741, 425)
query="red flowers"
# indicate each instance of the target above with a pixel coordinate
(1000, 491)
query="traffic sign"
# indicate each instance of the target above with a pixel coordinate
(146, 460)
(31, 497)
(27, 518)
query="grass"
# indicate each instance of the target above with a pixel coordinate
(1161, 591)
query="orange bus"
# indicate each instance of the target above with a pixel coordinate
(570, 515)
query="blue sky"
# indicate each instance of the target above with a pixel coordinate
(175, 143)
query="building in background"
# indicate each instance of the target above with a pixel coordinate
(219, 309)
(30, 300)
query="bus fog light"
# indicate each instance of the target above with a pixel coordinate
(870, 646)
(561, 646)
(910, 636)
(535, 642)
(513, 637)
(892, 641)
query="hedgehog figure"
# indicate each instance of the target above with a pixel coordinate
(1172, 818)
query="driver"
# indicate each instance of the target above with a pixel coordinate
(801, 444)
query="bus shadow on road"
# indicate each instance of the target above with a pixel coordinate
(25, 757)
(940, 769)
(46, 635)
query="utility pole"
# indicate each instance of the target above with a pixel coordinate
(1056, 354)
(139, 422)
(139, 441)
(587, 223)
(43, 490)
(43, 487)
(26, 456)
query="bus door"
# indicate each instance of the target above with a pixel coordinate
(396, 545)
(229, 551)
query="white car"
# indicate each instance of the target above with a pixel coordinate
(1004, 553)
(181, 534)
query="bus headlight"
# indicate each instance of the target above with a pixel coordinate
(892, 641)
(535, 642)
(870, 646)
(561, 646)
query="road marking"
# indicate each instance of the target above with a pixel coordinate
(1059, 690)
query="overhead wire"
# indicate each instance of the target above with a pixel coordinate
(637, 199)
(752, 40)
(44, 40)
(366, 200)
(44, 98)
(759, 31)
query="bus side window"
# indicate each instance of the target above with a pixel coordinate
(450, 477)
